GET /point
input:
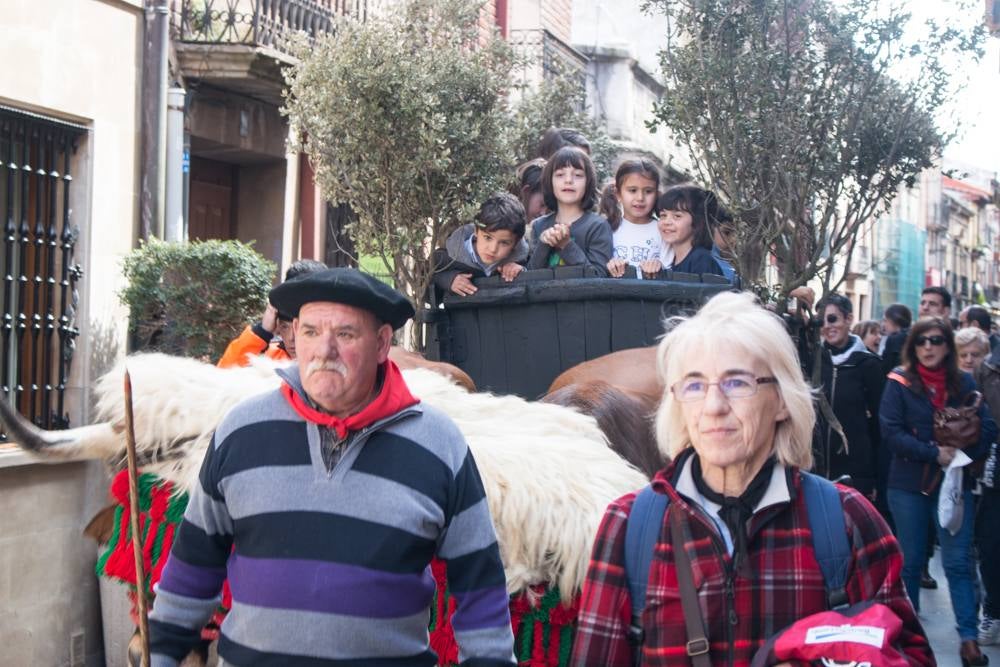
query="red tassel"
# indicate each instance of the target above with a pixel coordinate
(554, 636)
(537, 647)
(168, 541)
(442, 638)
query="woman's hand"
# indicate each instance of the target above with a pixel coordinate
(945, 455)
(616, 267)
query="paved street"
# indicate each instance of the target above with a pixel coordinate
(939, 622)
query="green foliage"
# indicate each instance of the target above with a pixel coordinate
(404, 119)
(191, 299)
(805, 117)
(559, 101)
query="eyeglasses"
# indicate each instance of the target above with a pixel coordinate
(832, 318)
(933, 340)
(736, 385)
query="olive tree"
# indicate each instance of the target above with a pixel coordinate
(805, 116)
(404, 119)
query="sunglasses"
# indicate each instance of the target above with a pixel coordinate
(933, 340)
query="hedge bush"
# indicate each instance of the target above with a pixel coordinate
(191, 299)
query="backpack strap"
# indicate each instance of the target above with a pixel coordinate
(641, 532)
(829, 534)
(897, 376)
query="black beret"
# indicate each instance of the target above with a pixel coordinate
(348, 286)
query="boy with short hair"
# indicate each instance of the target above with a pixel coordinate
(493, 243)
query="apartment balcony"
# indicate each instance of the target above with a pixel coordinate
(242, 45)
(549, 54)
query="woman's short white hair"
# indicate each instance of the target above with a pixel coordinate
(970, 335)
(735, 320)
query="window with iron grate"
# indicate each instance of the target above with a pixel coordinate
(38, 298)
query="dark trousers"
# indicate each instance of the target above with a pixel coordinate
(988, 544)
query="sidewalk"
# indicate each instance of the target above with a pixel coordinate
(939, 622)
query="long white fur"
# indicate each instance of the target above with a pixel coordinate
(547, 469)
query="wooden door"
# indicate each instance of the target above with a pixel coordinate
(211, 204)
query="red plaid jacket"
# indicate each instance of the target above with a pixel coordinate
(780, 584)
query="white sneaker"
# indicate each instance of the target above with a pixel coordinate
(989, 630)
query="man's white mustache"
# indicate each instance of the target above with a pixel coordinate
(325, 365)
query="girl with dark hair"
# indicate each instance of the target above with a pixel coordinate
(572, 235)
(636, 238)
(529, 189)
(687, 215)
(929, 380)
(608, 205)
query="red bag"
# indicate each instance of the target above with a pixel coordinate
(867, 632)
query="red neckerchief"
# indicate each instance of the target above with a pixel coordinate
(393, 397)
(935, 384)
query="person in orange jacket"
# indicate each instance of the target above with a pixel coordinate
(272, 336)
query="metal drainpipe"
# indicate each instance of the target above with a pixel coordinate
(154, 119)
(162, 20)
(174, 203)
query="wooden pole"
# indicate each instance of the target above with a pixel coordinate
(133, 509)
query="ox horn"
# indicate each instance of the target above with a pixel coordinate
(96, 441)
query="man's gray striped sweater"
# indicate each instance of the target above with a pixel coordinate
(332, 567)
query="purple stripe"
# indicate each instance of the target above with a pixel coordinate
(485, 608)
(191, 581)
(332, 588)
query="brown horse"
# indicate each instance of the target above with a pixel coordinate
(632, 370)
(407, 360)
(621, 391)
(625, 417)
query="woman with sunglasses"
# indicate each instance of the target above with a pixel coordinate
(852, 382)
(929, 379)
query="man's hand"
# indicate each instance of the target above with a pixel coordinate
(269, 322)
(462, 285)
(616, 267)
(556, 236)
(650, 268)
(509, 271)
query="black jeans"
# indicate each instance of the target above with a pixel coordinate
(988, 544)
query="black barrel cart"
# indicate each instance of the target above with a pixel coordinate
(516, 338)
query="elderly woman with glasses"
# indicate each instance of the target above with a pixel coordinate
(928, 380)
(973, 347)
(737, 419)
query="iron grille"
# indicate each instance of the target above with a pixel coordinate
(39, 298)
(258, 22)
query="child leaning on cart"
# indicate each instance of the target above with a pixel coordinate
(494, 243)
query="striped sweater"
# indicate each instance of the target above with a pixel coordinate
(332, 567)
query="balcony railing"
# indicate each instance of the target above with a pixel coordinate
(264, 23)
(556, 57)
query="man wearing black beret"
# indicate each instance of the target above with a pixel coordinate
(324, 502)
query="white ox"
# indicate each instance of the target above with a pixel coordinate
(548, 470)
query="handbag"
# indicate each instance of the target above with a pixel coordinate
(953, 427)
(959, 427)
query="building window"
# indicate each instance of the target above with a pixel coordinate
(39, 295)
